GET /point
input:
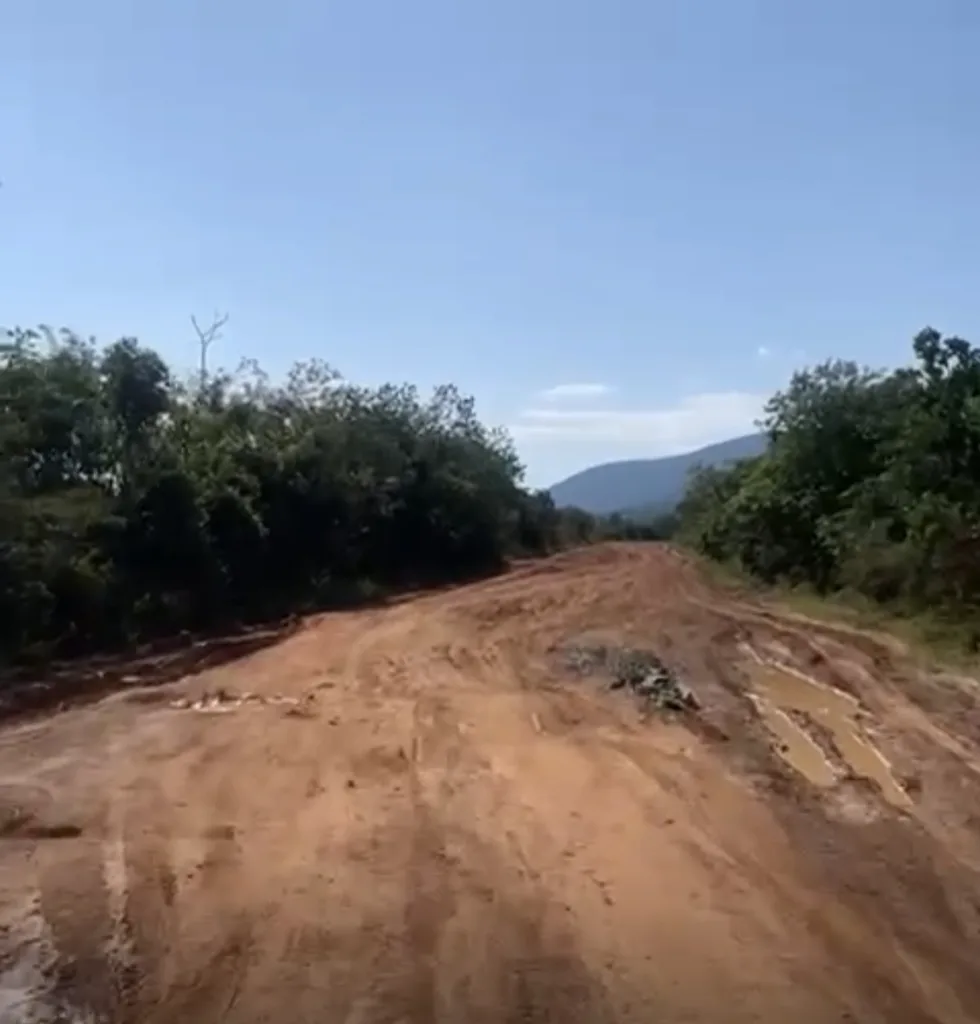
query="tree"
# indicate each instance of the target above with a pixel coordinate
(871, 482)
(206, 337)
(133, 505)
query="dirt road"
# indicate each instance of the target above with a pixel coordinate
(450, 824)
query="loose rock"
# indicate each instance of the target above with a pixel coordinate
(642, 671)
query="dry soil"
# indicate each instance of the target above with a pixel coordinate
(420, 814)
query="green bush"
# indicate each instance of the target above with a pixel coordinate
(871, 484)
(134, 505)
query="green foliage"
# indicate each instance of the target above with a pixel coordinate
(131, 505)
(871, 484)
(657, 526)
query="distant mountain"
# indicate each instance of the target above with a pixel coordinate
(644, 485)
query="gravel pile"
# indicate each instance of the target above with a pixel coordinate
(639, 670)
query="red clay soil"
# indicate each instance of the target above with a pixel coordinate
(420, 814)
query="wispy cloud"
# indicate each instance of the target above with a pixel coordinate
(563, 392)
(690, 423)
(763, 352)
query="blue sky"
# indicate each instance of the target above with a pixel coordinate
(617, 223)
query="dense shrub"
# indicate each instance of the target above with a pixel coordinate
(871, 483)
(132, 504)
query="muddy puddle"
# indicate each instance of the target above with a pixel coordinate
(783, 696)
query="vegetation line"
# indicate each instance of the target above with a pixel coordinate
(868, 492)
(134, 505)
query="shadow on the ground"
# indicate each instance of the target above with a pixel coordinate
(28, 690)
(84, 680)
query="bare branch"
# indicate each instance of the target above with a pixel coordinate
(206, 338)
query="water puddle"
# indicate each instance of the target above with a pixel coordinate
(795, 746)
(780, 690)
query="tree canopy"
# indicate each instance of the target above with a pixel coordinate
(134, 504)
(871, 483)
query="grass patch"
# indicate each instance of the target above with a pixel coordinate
(943, 640)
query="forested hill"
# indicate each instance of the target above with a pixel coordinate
(134, 504)
(870, 483)
(653, 485)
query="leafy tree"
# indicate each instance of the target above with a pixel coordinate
(871, 483)
(133, 504)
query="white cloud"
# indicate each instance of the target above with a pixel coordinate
(560, 392)
(692, 422)
(762, 352)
